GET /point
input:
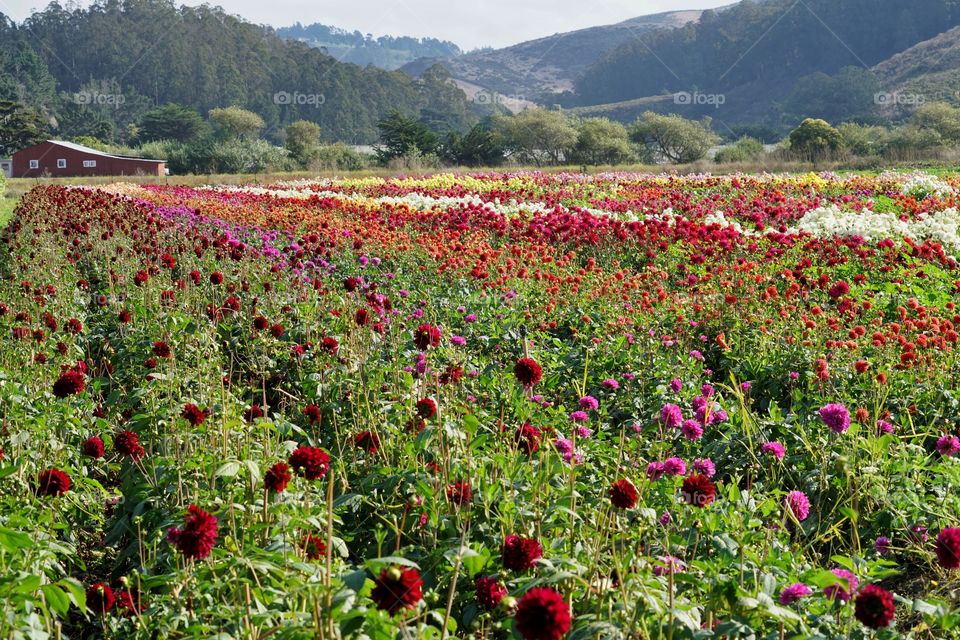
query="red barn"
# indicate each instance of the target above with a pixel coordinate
(57, 159)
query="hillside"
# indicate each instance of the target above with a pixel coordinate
(386, 52)
(529, 70)
(928, 71)
(95, 71)
(757, 55)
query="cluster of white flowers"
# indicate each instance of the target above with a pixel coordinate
(832, 222)
(923, 185)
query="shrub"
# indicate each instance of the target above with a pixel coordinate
(743, 150)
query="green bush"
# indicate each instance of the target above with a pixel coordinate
(743, 150)
(338, 157)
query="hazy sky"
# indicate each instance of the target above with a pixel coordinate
(469, 23)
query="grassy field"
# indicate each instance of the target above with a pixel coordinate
(6, 209)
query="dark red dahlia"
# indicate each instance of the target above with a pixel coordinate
(216, 277)
(277, 477)
(150, 363)
(127, 443)
(520, 554)
(198, 535)
(362, 317)
(74, 326)
(123, 316)
(161, 349)
(452, 374)
(350, 284)
(528, 372)
(254, 412)
(542, 614)
(260, 323)
(948, 548)
(698, 490)
(53, 482)
(140, 278)
(100, 598)
(168, 261)
(397, 588)
(276, 331)
(426, 408)
(313, 547)
(93, 447)
(528, 438)
(129, 603)
(623, 494)
(490, 591)
(460, 493)
(426, 336)
(312, 412)
(194, 414)
(875, 607)
(368, 441)
(310, 462)
(70, 383)
(330, 345)
(839, 290)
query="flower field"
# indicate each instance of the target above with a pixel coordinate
(489, 406)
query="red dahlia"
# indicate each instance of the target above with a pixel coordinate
(362, 317)
(542, 614)
(368, 441)
(276, 331)
(426, 408)
(490, 591)
(277, 477)
(194, 414)
(123, 316)
(397, 588)
(161, 349)
(698, 490)
(53, 482)
(350, 284)
(310, 462)
(129, 603)
(93, 447)
(948, 548)
(198, 535)
(459, 493)
(127, 443)
(313, 547)
(216, 277)
(70, 383)
(100, 598)
(623, 494)
(254, 412)
(312, 412)
(260, 323)
(528, 372)
(426, 336)
(330, 345)
(528, 438)
(875, 607)
(520, 554)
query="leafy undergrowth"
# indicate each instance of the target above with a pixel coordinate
(414, 408)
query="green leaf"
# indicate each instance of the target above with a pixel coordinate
(56, 599)
(228, 470)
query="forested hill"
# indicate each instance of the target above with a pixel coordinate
(152, 52)
(756, 52)
(386, 52)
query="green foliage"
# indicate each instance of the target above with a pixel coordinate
(302, 140)
(672, 137)
(939, 117)
(849, 94)
(402, 135)
(815, 138)
(745, 149)
(20, 127)
(338, 157)
(171, 122)
(480, 147)
(538, 136)
(864, 140)
(234, 123)
(602, 141)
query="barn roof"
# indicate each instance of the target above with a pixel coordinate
(94, 152)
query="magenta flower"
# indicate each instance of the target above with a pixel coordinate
(799, 505)
(882, 545)
(655, 471)
(691, 430)
(948, 446)
(674, 467)
(705, 467)
(837, 591)
(579, 416)
(774, 449)
(589, 403)
(836, 417)
(671, 416)
(676, 385)
(794, 592)
(610, 384)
